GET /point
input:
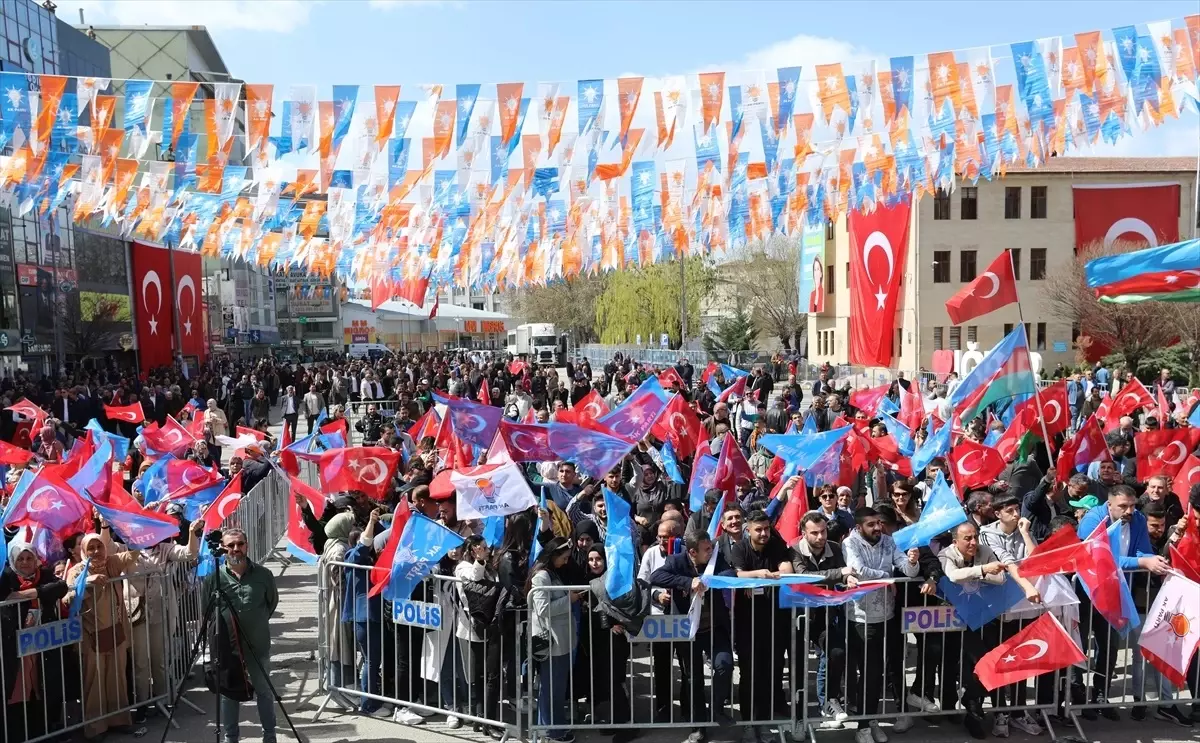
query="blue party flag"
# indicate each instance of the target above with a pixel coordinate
(80, 589)
(536, 548)
(801, 451)
(942, 512)
(704, 476)
(422, 544)
(493, 530)
(977, 602)
(899, 432)
(473, 423)
(634, 417)
(618, 546)
(671, 463)
(937, 445)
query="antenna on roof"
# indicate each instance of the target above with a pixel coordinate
(81, 21)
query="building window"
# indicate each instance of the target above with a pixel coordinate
(937, 339)
(1037, 202)
(1008, 328)
(847, 274)
(941, 204)
(956, 338)
(1076, 331)
(966, 266)
(1012, 202)
(941, 266)
(1016, 262)
(1028, 334)
(972, 334)
(829, 280)
(1037, 264)
(829, 229)
(1041, 336)
(969, 207)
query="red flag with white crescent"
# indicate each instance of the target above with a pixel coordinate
(996, 287)
(127, 413)
(225, 504)
(878, 252)
(1146, 215)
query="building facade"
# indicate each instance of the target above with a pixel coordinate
(955, 236)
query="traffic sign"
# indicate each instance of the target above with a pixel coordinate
(28, 337)
(302, 320)
(66, 287)
(255, 336)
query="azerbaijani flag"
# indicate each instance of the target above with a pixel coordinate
(1170, 273)
(1004, 373)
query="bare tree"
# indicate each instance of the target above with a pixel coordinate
(1133, 330)
(570, 304)
(766, 281)
(92, 323)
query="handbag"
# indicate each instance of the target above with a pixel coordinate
(540, 650)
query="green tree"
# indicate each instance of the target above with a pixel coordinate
(645, 301)
(733, 333)
(1174, 358)
(570, 304)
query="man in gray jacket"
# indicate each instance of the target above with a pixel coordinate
(874, 556)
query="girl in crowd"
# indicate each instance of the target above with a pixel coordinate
(477, 627)
(552, 626)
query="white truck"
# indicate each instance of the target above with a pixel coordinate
(537, 343)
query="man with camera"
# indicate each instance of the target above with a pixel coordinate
(247, 598)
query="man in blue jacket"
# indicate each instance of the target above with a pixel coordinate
(1133, 550)
(681, 574)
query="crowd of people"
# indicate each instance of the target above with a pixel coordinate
(518, 591)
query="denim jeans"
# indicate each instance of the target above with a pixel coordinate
(246, 412)
(552, 693)
(453, 684)
(262, 698)
(368, 636)
(1146, 677)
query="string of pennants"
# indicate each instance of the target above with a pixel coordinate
(400, 193)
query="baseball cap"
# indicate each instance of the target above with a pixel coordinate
(1087, 501)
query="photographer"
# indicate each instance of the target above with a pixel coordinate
(370, 426)
(247, 597)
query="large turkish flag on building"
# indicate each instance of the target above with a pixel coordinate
(153, 304)
(1146, 214)
(188, 285)
(878, 248)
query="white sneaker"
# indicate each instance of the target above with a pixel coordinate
(453, 722)
(1000, 725)
(921, 704)
(834, 709)
(1027, 724)
(406, 716)
(877, 733)
(903, 724)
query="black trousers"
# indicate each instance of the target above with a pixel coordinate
(483, 677)
(761, 638)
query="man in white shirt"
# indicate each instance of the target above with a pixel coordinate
(371, 389)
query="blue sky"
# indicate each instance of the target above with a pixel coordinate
(425, 41)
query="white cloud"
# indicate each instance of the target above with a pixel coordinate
(801, 50)
(279, 16)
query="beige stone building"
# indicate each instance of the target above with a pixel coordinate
(954, 237)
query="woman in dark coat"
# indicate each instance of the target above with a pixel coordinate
(33, 686)
(602, 661)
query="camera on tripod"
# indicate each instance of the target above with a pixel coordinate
(214, 538)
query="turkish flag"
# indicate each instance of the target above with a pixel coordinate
(29, 412)
(1128, 399)
(1055, 411)
(732, 466)
(154, 305)
(225, 504)
(868, 399)
(669, 377)
(171, 436)
(994, 288)
(975, 465)
(1163, 452)
(591, 405)
(794, 509)
(1085, 447)
(1187, 476)
(679, 425)
(885, 449)
(367, 469)
(1148, 215)
(1060, 553)
(299, 537)
(128, 413)
(878, 249)
(14, 455)
(188, 287)
(1185, 554)
(485, 395)
(912, 407)
(1042, 647)
(381, 573)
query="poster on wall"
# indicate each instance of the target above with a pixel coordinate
(811, 269)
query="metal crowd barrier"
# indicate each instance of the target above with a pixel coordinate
(417, 658)
(263, 515)
(126, 650)
(772, 669)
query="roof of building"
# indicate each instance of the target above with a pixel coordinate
(199, 36)
(449, 311)
(1111, 165)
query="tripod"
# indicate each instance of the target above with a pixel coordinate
(217, 599)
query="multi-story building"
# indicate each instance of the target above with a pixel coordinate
(38, 273)
(307, 310)
(955, 236)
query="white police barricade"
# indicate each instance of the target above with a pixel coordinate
(99, 670)
(262, 513)
(417, 658)
(357, 411)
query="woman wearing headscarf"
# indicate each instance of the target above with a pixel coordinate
(339, 636)
(552, 626)
(47, 447)
(33, 685)
(477, 626)
(105, 648)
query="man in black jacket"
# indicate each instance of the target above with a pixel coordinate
(681, 575)
(815, 554)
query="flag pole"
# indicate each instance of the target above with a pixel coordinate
(1037, 395)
